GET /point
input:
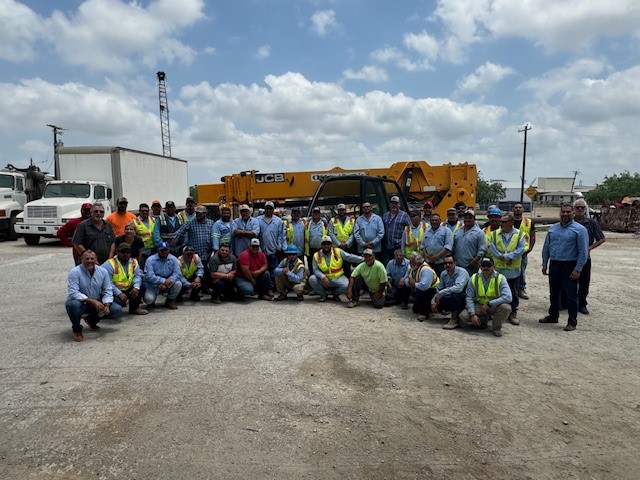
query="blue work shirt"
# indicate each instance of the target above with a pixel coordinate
(369, 230)
(297, 228)
(220, 233)
(240, 244)
(468, 244)
(426, 277)
(397, 271)
(271, 234)
(157, 270)
(296, 269)
(82, 285)
(435, 240)
(452, 284)
(565, 244)
(316, 230)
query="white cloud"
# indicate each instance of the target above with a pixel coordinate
(563, 79)
(19, 27)
(111, 35)
(423, 43)
(369, 73)
(323, 22)
(484, 78)
(394, 56)
(553, 24)
(263, 52)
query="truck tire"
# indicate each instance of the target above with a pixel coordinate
(32, 239)
(12, 235)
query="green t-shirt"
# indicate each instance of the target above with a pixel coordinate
(373, 275)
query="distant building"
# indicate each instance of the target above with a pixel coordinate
(559, 190)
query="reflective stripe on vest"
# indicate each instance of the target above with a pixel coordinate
(188, 269)
(413, 243)
(307, 229)
(334, 269)
(500, 246)
(144, 232)
(483, 297)
(417, 273)
(343, 232)
(165, 234)
(121, 278)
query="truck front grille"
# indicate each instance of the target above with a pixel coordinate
(42, 211)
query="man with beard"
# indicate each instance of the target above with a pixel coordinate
(144, 226)
(126, 279)
(198, 234)
(223, 267)
(162, 275)
(221, 231)
(395, 221)
(295, 231)
(189, 212)
(437, 242)
(328, 270)
(95, 234)
(243, 230)
(121, 217)
(469, 243)
(167, 224)
(369, 276)
(450, 292)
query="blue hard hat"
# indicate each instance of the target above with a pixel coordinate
(291, 250)
(494, 211)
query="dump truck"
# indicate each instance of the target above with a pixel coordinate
(101, 174)
(444, 185)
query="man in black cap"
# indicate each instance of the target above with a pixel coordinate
(120, 218)
(167, 224)
(126, 278)
(189, 212)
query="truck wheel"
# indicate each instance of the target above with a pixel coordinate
(32, 239)
(13, 236)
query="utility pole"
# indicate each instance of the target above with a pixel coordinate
(56, 131)
(575, 174)
(526, 128)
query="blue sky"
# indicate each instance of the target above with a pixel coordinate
(277, 85)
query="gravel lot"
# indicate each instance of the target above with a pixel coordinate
(288, 390)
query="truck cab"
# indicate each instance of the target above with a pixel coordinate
(353, 191)
(12, 200)
(60, 203)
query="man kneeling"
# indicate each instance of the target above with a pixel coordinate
(369, 276)
(89, 293)
(290, 275)
(488, 297)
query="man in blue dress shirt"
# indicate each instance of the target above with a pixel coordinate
(565, 252)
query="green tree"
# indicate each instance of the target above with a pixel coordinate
(489, 192)
(615, 187)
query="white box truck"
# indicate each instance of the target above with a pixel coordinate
(101, 174)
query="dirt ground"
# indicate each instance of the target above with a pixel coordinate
(288, 390)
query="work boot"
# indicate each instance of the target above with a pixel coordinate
(523, 294)
(451, 324)
(497, 333)
(548, 319)
(281, 297)
(323, 298)
(422, 318)
(215, 300)
(569, 328)
(92, 322)
(78, 337)
(300, 298)
(513, 318)
(352, 304)
(583, 310)
(336, 297)
(139, 311)
(171, 305)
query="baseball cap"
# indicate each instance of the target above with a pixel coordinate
(316, 209)
(486, 261)
(415, 213)
(164, 246)
(395, 199)
(367, 251)
(188, 249)
(295, 209)
(122, 200)
(201, 209)
(341, 206)
(169, 204)
(189, 200)
(244, 206)
(86, 206)
(255, 241)
(155, 202)
(124, 246)
(428, 204)
(451, 210)
(468, 211)
(269, 204)
(326, 239)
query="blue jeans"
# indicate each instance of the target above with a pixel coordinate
(261, 288)
(76, 308)
(151, 292)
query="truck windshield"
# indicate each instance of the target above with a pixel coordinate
(6, 181)
(67, 190)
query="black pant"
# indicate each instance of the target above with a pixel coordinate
(452, 303)
(134, 303)
(226, 288)
(421, 300)
(437, 267)
(514, 286)
(560, 278)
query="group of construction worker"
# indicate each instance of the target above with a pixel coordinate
(451, 266)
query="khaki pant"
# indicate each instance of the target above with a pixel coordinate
(283, 284)
(498, 315)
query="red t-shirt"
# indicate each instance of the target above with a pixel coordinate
(254, 262)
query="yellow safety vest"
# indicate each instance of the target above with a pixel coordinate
(502, 248)
(417, 273)
(343, 232)
(334, 269)
(307, 228)
(485, 296)
(413, 243)
(121, 278)
(525, 228)
(188, 269)
(144, 232)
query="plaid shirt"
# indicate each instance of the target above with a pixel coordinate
(199, 236)
(394, 227)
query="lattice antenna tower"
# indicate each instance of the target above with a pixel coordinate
(164, 115)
